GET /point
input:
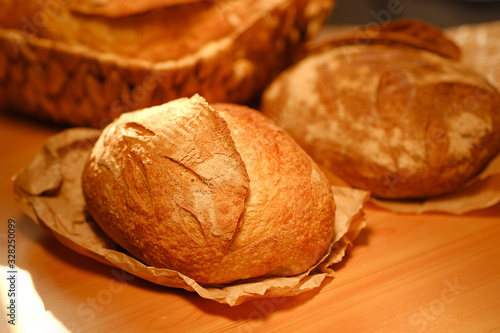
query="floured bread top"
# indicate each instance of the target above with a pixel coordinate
(398, 121)
(219, 194)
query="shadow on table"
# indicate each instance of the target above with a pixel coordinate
(253, 312)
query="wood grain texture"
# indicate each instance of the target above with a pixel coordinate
(406, 273)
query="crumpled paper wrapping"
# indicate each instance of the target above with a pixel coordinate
(49, 191)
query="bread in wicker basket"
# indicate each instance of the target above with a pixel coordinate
(84, 63)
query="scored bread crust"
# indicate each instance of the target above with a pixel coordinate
(397, 121)
(219, 194)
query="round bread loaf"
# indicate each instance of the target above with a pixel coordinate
(398, 121)
(218, 193)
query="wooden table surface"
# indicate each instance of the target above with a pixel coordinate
(406, 273)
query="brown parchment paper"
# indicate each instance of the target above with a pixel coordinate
(49, 191)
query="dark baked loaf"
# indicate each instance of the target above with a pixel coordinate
(399, 121)
(218, 192)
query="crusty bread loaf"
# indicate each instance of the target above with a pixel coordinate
(217, 192)
(399, 121)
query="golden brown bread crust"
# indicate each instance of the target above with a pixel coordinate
(398, 121)
(219, 194)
